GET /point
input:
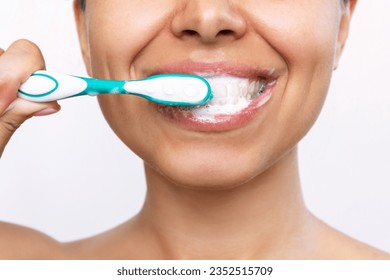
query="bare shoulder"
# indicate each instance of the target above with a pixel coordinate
(337, 245)
(18, 242)
(120, 242)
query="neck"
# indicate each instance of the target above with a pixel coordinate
(260, 219)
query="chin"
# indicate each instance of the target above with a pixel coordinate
(207, 171)
(213, 180)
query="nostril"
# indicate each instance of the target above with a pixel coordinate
(226, 32)
(193, 33)
(189, 32)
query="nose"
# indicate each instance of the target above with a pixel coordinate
(209, 21)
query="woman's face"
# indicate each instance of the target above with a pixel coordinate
(284, 49)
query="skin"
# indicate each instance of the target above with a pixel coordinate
(202, 204)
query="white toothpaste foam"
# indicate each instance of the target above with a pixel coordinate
(231, 95)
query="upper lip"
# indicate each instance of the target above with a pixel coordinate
(216, 68)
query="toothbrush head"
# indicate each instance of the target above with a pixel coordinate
(172, 89)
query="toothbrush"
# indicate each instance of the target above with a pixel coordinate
(166, 89)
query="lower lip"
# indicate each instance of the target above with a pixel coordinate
(188, 120)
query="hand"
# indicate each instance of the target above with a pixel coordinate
(16, 65)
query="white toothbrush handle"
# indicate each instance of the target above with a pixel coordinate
(45, 86)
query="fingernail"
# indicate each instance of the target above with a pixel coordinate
(45, 112)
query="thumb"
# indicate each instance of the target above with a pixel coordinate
(19, 111)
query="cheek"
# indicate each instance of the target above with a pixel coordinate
(128, 117)
(304, 34)
(119, 30)
(300, 32)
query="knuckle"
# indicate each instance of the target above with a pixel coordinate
(29, 48)
(8, 126)
(25, 45)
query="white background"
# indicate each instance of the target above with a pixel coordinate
(70, 177)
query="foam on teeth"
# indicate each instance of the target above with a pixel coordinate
(231, 95)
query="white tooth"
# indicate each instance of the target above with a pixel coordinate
(258, 85)
(228, 90)
(219, 90)
(231, 95)
(252, 88)
(237, 88)
(251, 95)
(243, 89)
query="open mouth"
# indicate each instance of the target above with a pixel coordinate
(236, 101)
(232, 95)
(239, 93)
